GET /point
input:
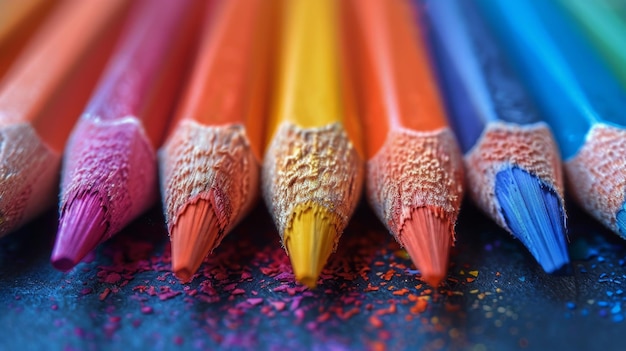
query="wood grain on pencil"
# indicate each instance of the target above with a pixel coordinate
(312, 171)
(110, 170)
(512, 162)
(210, 164)
(414, 167)
(41, 98)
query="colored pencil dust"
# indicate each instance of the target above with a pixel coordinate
(19, 20)
(511, 159)
(42, 96)
(110, 172)
(210, 164)
(414, 166)
(312, 171)
(578, 95)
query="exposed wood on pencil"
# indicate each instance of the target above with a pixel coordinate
(19, 19)
(414, 167)
(210, 164)
(110, 170)
(554, 56)
(597, 172)
(512, 162)
(41, 98)
(312, 170)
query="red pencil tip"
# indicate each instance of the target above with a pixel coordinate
(194, 236)
(427, 237)
(82, 227)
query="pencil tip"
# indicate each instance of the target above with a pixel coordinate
(535, 214)
(427, 236)
(621, 220)
(310, 240)
(195, 234)
(82, 227)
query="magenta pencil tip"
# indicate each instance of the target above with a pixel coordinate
(82, 227)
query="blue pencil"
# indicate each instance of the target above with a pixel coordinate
(512, 162)
(578, 96)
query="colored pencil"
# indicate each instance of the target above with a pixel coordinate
(512, 163)
(110, 170)
(579, 98)
(414, 165)
(604, 22)
(42, 96)
(312, 171)
(210, 164)
(19, 19)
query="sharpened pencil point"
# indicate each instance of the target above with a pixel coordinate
(310, 240)
(621, 220)
(535, 215)
(194, 236)
(427, 237)
(82, 227)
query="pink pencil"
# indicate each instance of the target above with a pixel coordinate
(110, 170)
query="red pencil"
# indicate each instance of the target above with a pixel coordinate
(210, 163)
(414, 166)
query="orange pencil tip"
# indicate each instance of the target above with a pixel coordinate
(427, 237)
(195, 234)
(310, 241)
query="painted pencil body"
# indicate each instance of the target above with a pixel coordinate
(210, 164)
(605, 23)
(40, 99)
(18, 22)
(312, 170)
(110, 172)
(512, 162)
(579, 98)
(414, 166)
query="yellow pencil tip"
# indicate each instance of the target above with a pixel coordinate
(310, 240)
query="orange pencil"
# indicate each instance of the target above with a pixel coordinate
(41, 98)
(210, 163)
(19, 19)
(414, 166)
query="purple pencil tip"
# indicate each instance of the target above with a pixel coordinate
(82, 227)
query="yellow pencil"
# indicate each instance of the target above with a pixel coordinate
(313, 166)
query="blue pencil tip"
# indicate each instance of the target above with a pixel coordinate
(535, 215)
(621, 220)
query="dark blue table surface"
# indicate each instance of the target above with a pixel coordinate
(495, 298)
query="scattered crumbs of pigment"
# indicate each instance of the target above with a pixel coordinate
(245, 291)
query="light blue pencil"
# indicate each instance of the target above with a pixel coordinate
(578, 95)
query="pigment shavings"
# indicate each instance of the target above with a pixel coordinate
(369, 296)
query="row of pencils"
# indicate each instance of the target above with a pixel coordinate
(305, 102)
